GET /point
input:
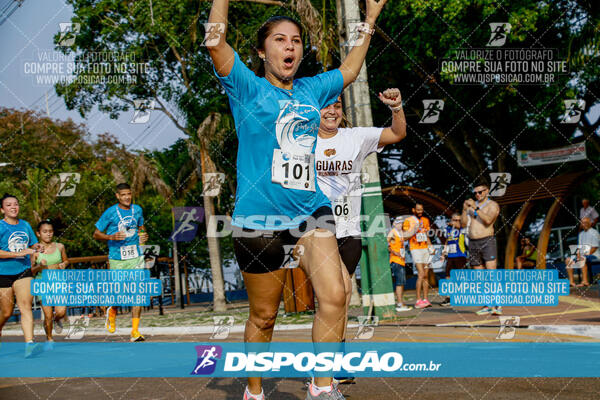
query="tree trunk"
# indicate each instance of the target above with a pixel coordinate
(214, 248)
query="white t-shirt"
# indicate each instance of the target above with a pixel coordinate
(591, 238)
(589, 212)
(339, 160)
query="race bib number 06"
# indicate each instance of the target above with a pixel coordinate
(342, 209)
(421, 237)
(293, 171)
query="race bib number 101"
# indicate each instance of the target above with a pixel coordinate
(293, 171)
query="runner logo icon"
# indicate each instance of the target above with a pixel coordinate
(213, 32)
(574, 108)
(68, 33)
(432, 110)
(499, 32)
(499, 183)
(207, 359)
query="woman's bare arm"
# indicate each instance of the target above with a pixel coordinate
(221, 53)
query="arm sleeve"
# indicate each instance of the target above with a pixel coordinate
(594, 214)
(369, 141)
(241, 81)
(327, 86)
(102, 223)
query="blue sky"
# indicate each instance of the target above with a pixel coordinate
(29, 31)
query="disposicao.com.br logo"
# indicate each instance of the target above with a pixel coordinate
(281, 361)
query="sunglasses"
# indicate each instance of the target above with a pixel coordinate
(479, 191)
(456, 220)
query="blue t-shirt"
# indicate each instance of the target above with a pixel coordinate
(116, 219)
(456, 242)
(268, 118)
(15, 238)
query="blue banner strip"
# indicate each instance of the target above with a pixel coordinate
(161, 359)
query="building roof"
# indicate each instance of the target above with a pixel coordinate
(542, 188)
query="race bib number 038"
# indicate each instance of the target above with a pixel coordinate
(293, 171)
(129, 252)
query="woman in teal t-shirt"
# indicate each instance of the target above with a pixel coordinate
(280, 212)
(17, 244)
(51, 256)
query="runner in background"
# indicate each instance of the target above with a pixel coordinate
(124, 227)
(277, 119)
(416, 229)
(398, 263)
(340, 154)
(455, 251)
(52, 255)
(17, 244)
(483, 252)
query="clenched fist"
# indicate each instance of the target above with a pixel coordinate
(391, 97)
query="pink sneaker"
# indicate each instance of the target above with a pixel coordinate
(427, 303)
(420, 304)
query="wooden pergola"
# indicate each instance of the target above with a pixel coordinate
(397, 200)
(526, 194)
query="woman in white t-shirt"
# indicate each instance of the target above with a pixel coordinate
(340, 153)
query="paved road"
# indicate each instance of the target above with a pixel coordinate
(431, 325)
(288, 389)
(293, 389)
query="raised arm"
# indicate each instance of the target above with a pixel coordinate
(468, 205)
(488, 216)
(354, 60)
(221, 53)
(397, 131)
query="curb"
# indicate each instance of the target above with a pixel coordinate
(592, 331)
(164, 330)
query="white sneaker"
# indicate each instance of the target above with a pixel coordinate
(250, 396)
(402, 308)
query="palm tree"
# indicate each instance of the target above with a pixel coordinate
(207, 131)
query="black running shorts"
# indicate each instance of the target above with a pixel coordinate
(6, 281)
(350, 249)
(258, 252)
